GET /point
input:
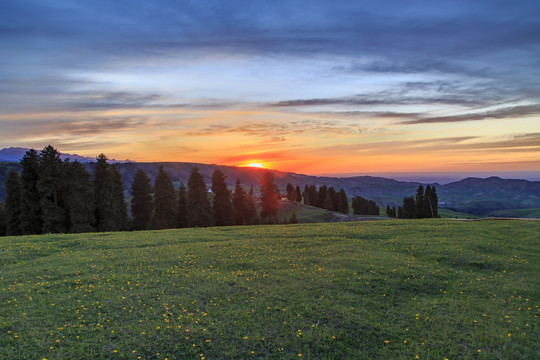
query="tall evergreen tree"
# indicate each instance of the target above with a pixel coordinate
(269, 196)
(164, 201)
(31, 215)
(291, 192)
(323, 192)
(199, 210)
(343, 202)
(13, 204)
(118, 204)
(298, 194)
(142, 202)
(251, 216)
(313, 196)
(49, 185)
(305, 195)
(2, 219)
(223, 209)
(409, 208)
(102, 194)
(420, 207)
(78, 198)
(239, 204)
(428, 206)
(181, 208)
(434, 199)
(334, 197)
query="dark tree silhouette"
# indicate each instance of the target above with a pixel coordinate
(164, 201)
(199, 210)
(269, 197)
(420, 207)
(223, 209)
(78, 198)
(118, 204)
(49, 185)
(13, 204)
(239, 204)
(142, 202)
(343, 202)
(181, 208)
(2, 219)
(298, 194)
(409, 208)
(31, 215)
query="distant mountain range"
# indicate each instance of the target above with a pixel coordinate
(15, 154)
(485, 197)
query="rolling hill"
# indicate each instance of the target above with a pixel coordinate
(485, 197)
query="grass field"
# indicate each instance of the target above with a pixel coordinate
(428, 289)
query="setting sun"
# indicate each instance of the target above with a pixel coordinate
(255, 164)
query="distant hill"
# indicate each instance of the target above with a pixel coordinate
(483, 197)
(15, 154)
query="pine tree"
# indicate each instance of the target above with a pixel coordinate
(2, 219)
(291, 192)
(409, 208)
(298, 194)
(223, 209)
(428, 206)
(31, 215)
(313, 196)
(328, 202)
(164, 201)
(251, 216)
(118, 204)
(334, 197)
(181, 209)
(269, 197)
(199, 210)
(239, 204)
(13, 204)
(102, 194)
(435, 202)
(323, 192)
(305, 195)
(49, 185)
(142, 202)
(420, 202)
(343, 202)
(78, 198)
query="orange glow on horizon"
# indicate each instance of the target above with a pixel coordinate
(255, 165)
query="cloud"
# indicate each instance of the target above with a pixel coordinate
(504, 113)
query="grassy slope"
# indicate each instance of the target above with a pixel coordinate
(370, 290)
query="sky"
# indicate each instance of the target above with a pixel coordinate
(315, 87)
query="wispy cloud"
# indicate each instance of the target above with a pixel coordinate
(504, 113)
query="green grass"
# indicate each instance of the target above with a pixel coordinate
(451, 214)
(396, 289)
(519, 213)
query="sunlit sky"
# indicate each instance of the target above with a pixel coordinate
(317, 87)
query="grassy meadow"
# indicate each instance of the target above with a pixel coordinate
(396, 289)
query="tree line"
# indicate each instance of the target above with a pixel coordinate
(324, 197)
(425, 204)
(55, 196)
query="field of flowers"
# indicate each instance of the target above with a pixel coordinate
(397, 289)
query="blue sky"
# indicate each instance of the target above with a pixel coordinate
(312, 86)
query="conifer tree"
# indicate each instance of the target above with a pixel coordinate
(199, 210)
(142, 202)
(293, 219)
(343, 202)
(239, 204)
(428, 206)
(313, 196)
(269, 197)
(102, 194)
(78, 198)
(251, 216)
(223, 209)
(13, 204)
(49, 185)
(298, 194)
(434, 199)
(305, 195)
(118, 204)
(2, 219)
(323, 192)
(409, 208)
(164, 201)
(334, 197)
(291, 192)
(420, 207)
(329, 201)
(181, 209)
(31, 215)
